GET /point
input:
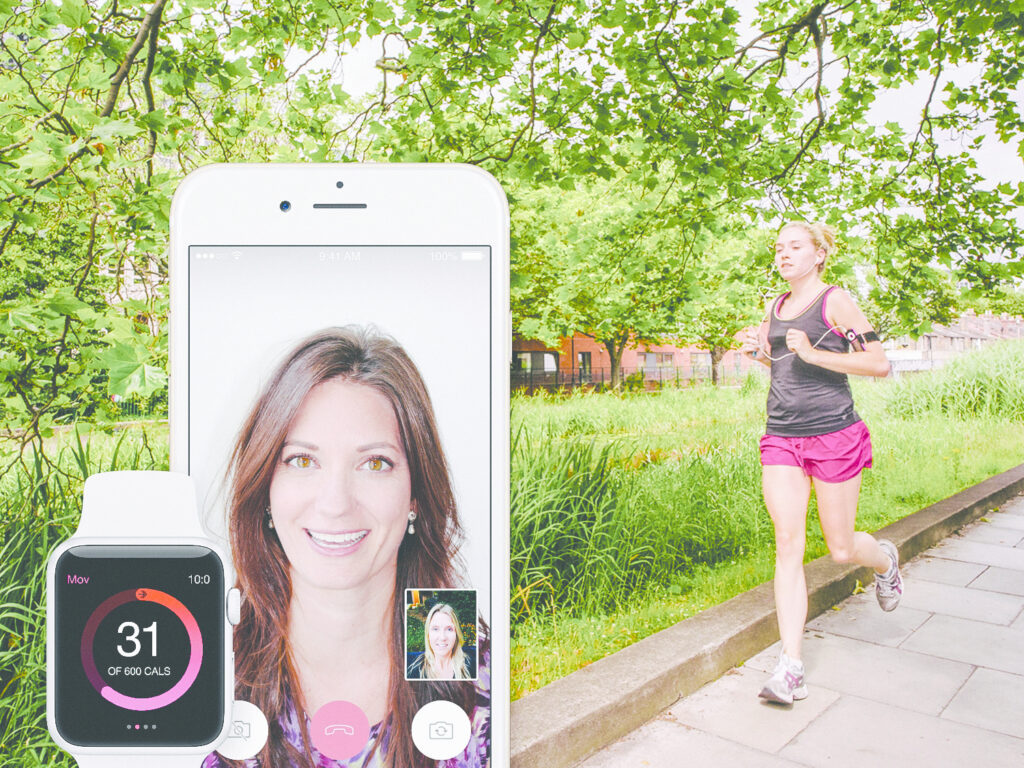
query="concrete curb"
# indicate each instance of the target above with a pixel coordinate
(569, 719)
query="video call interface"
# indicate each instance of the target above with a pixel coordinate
(249, 309)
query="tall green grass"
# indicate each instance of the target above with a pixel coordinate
(989, 382)
(613, 494)
(594, 525)
(40, 504)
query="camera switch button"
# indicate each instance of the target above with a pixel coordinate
(441, 730)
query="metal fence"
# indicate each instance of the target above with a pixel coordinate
(631, 378)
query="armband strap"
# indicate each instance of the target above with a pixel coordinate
(860, 338)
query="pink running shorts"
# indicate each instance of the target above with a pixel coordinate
(833, 458)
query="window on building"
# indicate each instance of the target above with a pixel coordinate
(539, 362)
(700, 363)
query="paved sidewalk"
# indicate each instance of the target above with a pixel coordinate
(938, 682)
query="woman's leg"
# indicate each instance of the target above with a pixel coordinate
(837, 509)
(786, 492)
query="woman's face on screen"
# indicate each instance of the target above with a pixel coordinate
(341, 491)
(441, 635)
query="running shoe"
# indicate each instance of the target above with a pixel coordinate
(889, 586)
(786, 683)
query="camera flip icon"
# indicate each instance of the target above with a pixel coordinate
(440, 730)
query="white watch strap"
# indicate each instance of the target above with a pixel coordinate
(139, 761)
(139, 504)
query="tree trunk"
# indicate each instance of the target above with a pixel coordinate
(616, 346)
(717, 353)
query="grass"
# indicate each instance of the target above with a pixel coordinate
(630, 513)
(39, 508)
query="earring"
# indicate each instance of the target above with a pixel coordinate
(412, 516)
(270, 520)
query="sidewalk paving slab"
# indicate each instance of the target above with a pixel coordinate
(990, 699)
(973, 642)
(1013, 507)
(888, 675)
(995, 579)
(861, 618)
(731, 709)
(964, 602)
(986, 554)
(665, 742)
(855, 733)
(943, 571)
(990, 533)
(1013, 521)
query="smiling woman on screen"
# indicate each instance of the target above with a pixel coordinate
(340, 499)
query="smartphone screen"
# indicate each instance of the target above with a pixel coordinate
(302, 426)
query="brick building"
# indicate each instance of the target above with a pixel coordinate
(579, 360)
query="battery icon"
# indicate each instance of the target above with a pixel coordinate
(472, 255)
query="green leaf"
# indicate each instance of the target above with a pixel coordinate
(120, 129)
(73, 13)
(65, 302)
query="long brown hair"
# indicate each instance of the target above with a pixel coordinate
(265, 673)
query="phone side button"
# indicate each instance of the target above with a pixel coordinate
(234, 606)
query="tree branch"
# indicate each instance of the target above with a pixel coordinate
(147, 23)
(147, 86)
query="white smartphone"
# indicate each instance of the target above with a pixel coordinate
(339, 354)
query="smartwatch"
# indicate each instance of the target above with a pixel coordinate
(139, 617)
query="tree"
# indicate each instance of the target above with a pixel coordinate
(600, 260)
(730, 285)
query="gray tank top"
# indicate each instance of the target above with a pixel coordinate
(806, 399)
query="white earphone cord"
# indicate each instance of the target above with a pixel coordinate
(830, 329)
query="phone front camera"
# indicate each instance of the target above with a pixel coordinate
(286, 206)
(339, 184)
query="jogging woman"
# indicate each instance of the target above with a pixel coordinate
(814, 436)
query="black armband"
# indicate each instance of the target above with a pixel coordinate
(860, 338)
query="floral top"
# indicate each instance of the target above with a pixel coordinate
(476, 754)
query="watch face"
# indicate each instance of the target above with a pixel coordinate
(139, 638)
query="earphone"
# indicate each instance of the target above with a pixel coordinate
(806, 271)
(846, 334)
(830, 329)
